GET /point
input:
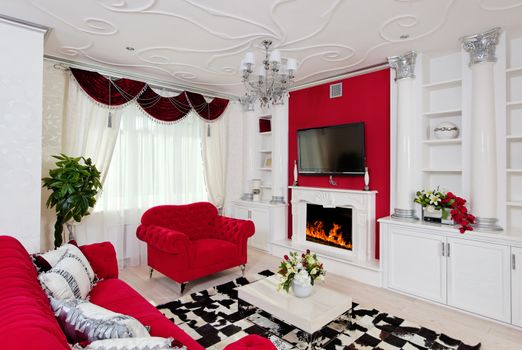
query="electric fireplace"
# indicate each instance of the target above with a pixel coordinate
(329, 226)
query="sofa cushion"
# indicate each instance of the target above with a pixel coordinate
(116, 295)
(84, 321)
(71, 277)
(251, 341)
(149, 343)
(102, 258)
(25, 307)
(208, 251)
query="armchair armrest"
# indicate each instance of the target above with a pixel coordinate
(164, 239)
(234, 230)
(102, 258)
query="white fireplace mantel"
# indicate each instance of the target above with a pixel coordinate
(361, 202)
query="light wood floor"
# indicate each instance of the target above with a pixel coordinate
(470, 329)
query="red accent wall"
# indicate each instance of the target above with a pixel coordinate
(366, 98)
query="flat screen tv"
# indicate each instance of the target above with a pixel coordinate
(332, 150)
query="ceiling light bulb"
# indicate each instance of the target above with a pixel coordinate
(291, 64)
(275, 56)
(249, 58)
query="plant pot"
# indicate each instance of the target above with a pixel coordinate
(302, 290)
(437, 216)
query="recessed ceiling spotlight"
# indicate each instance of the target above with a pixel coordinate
(129, 48)
(404, 36)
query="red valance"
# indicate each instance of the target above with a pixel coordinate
(165, 109)
(208, 111)
(97, 87)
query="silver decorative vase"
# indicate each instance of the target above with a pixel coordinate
(302, 290)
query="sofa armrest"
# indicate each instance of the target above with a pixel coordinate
(234, 230)
(102, 258)
(164, 239)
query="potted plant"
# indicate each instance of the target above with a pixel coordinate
(445, 207)
(73, 187)
(300, 273)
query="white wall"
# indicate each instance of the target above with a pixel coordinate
(20, 132)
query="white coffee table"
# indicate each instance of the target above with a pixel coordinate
(309, 314)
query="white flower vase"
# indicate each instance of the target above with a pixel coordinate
(302, 290)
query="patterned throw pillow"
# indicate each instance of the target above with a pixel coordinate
(83, 321)
(71, 277)
(148, 343)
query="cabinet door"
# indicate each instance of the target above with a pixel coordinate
(261, 219)
(516, 286)
(479, 278)
(241, 213)
(416, 264)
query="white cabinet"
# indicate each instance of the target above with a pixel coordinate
(416, 264)
(516, 286)
(269, 221)
(476, 272)
(478, 277)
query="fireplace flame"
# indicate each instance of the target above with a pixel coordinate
(316, 230)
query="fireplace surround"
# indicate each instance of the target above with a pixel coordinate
(360, 205)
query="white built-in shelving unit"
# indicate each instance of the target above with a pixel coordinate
(445, 94)
(264, 151)
(441, 81)
(514, 130)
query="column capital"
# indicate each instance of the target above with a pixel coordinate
(481, 47)
(404, 65)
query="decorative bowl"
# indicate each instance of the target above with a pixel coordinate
(446, 131)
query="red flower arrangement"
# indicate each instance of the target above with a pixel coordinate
(459, 212)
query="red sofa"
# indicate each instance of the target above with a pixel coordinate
(186, 242)
(26, 320)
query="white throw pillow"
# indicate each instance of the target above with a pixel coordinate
(81, 321)
(149, 343)
(71, 277)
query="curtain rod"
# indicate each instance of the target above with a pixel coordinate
(154, 83)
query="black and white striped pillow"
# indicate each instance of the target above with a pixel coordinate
(71, 277)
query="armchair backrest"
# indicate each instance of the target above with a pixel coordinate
(196, 220)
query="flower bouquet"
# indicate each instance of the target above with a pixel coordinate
(449, 205)
(301, 269)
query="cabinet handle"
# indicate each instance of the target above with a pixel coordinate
(513, 261)
(250, 214)
(443, 248)
(449, 254)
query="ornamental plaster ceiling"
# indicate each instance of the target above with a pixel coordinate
(200, 43)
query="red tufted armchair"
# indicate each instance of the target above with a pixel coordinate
(186, 242)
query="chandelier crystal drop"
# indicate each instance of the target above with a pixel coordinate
(270, 84)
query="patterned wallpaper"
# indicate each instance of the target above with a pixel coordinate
(54, 89)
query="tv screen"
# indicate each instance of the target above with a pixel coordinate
(332, 150)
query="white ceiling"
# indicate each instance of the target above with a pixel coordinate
(200, 43)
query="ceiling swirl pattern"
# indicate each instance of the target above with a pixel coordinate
(201, 42)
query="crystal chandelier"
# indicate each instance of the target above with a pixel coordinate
(270, 84)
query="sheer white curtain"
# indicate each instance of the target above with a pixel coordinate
(85, 128)
(152, 164)
(214, 136)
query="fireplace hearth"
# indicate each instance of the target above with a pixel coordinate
(329, 226)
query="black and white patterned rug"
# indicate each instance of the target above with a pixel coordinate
(212, 318)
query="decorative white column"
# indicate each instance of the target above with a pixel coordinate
(404, 67)
(249, 135)
(483, 198)
(279, 151)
